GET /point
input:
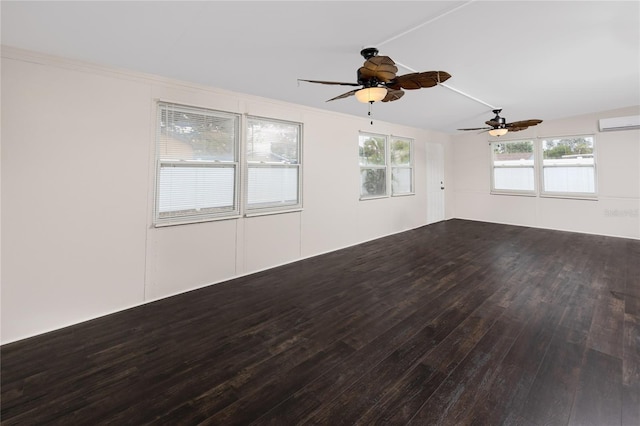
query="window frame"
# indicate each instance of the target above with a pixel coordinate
(384, 167)
(240, 165)
(410, 166)
(246, 165)
(214, 213)
(521, 192)
(571, 195)
(538, 168)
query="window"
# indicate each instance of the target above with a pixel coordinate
(568, 166)
(513, 167)
(197, 164)
(204, 173)
(373, 165)
(564, 167)
(385, 165)
(273, 164)
(401, 166)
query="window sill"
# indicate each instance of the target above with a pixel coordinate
(571, 197)
(559, 196)
(516, 194)
(270, 212)
(408, 194)
(193, 221)
(373, 198)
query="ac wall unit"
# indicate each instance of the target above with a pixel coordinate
(620, 123)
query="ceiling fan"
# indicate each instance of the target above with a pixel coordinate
(379, 82)
(498, 126)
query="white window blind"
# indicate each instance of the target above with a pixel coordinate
(273, 165)
(197, 163)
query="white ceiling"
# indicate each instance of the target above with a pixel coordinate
(534, 59)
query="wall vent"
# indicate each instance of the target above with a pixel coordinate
(620, 123)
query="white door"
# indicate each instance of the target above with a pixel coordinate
(435, 183)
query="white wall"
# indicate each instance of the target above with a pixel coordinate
(77, 176)
(616, 211)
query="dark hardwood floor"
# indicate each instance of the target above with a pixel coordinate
(453, 323)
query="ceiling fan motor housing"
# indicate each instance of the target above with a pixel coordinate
(502, 122)
(367, 82)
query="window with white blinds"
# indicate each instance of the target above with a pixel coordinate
(546, 167)
(197, 164)
(273, 165)
(513, 167)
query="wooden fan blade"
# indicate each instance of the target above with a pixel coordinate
(478, 128)
(523, 123)
(339, 83)
(393, 95)
(381, 67)
(492, 123)
(419, 80)
(344, 95)
(516, 129)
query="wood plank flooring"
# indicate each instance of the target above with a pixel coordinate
(458, 322)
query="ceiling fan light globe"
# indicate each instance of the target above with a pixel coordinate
(371, 94)
(498, 132)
